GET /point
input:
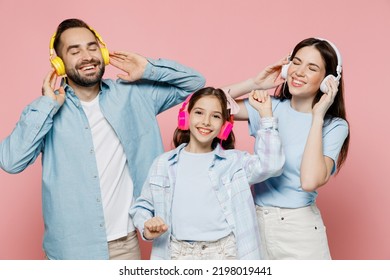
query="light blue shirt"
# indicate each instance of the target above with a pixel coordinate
(72, 207)
(231, 173)
(193, 190)
(285, 191)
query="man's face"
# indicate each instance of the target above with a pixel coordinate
(82, 57)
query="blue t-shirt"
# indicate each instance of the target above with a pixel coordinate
(285, 190)
(195, 212)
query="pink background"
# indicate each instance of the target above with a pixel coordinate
(227, 41)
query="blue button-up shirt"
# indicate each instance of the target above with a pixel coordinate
(231, 174)
(71, 198)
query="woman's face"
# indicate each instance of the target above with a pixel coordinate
(206, 120)
(306, 72)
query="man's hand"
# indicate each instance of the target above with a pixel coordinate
(48, 88)
(131, 63)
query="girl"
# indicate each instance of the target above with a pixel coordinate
(315, 136)
(196, 202)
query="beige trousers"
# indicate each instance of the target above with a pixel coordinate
(125, 248)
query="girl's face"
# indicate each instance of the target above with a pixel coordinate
(206, 120)
(306, 72)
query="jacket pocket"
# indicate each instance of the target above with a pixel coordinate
(161, 193)
(159, 181)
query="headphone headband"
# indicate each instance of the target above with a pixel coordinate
(339, 66)
(53, 38)
(185, 103)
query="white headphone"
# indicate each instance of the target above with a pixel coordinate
(323, 86)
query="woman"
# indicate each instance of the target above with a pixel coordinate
(309, 103)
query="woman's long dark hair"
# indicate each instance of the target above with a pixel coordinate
(183, 136)
(337, 109)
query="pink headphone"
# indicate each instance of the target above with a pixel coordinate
(183, 121)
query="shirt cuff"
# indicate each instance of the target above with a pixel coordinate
(150, 71)
(145, 239)
(269, 123)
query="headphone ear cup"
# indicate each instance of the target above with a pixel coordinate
(58, 65)
(183, 120)
(225, 130)
(284, 70)
(323, 86)
(105, 55)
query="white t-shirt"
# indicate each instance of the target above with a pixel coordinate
(116, 184)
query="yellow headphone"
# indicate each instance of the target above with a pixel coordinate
(57, 62)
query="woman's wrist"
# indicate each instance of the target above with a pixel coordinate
(254, 84)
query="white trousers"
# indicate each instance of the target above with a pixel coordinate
(292, 234)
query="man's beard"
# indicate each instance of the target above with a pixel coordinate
(86, 81)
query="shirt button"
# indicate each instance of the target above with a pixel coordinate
(91, 151)
(266, 212)
(97, 199)
(204, 247)
(101, 225)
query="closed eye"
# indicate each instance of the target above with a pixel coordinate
(296, 61)
(198, 112)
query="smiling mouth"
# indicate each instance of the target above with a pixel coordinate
(296, 82)
(204, 131)
(87, 67)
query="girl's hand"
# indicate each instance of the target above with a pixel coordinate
(154, 228)
(261, 101)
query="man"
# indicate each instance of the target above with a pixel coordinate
(98, 138)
